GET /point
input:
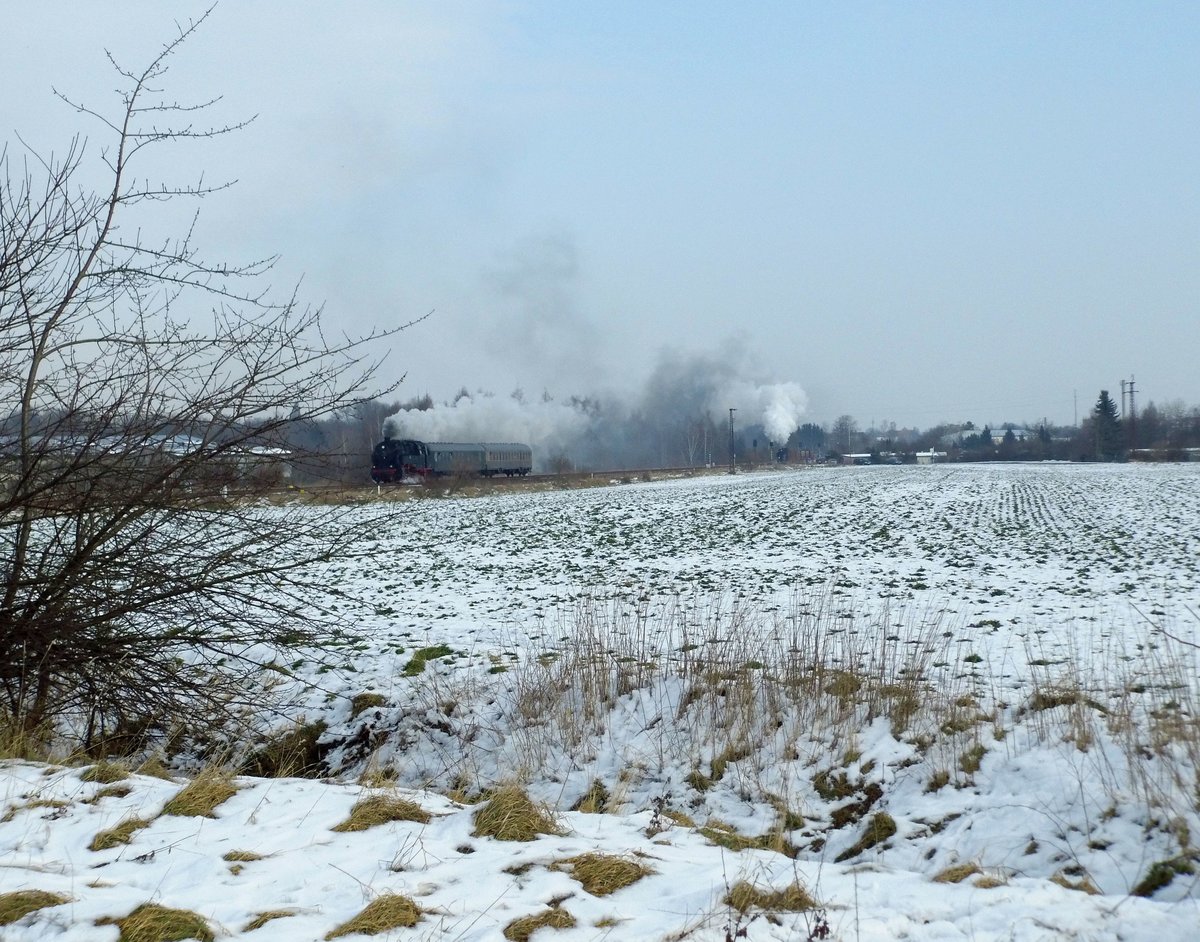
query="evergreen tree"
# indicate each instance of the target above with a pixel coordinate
(809, 436)
(1008, 445)
(1106, 427)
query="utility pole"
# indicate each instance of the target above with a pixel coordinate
(732, 463)
(1132, 416)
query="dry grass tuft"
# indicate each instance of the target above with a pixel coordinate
(201, 795)
(241, 856)
(843, 684)
(957, 873)
(18, 742)
(106, 773)
(1053, 697)
(601, 874)
(380, 809)
(390, 911)
(293, 752)
(937, 781)
(733, 753)
(14, 906)
(1161, 874)
(361, 702)
(116, 836)
(519, 930)
(595, 800)
(1082, 885)
(376, 777)
(788, 818)
(745, 896)
(990, 882)
(683, 820)
(153, 923)
(154, 767)
(32, 805)
(881, 826)
(723, 835)
(108, 791)
(423, 656)
(511, 815)
(904, 703)
(971, 760)
(261, 919)
(833, 786)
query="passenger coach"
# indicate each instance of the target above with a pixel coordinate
(395, 459)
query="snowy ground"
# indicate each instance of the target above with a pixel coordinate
(989, 669)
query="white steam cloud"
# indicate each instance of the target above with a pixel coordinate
(485, 418)
(777, 407)
(677, 419)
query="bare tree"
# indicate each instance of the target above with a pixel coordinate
(845, 428)
(142, 383)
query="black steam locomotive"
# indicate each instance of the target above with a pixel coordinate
(395, 459)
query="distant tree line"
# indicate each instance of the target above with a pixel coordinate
(336, 447)
(1157, 432)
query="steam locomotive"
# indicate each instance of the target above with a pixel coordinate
(395, 459)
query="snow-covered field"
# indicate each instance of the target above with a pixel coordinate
(947, 702)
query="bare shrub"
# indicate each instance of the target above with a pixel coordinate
(146, 386)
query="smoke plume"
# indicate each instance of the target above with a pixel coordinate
(679, 417)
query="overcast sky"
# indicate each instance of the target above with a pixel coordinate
(916, 211)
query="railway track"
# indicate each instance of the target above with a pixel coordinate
(477, 485)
